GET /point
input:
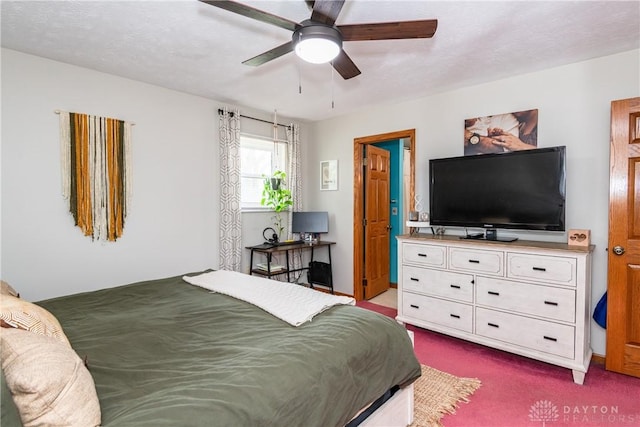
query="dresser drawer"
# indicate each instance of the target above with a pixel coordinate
(446, 313)
(548, 269)
(537, 300)
(476, 261)
(445, 284)
(539, 335)
(428, 255)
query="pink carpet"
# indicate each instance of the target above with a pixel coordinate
(517, 391)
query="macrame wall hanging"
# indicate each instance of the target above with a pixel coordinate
(96, 172)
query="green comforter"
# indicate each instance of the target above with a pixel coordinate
(166, 353)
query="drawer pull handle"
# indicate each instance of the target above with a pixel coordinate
(423, 255)
(474, 261)
(493, 325)
(493, 293)
(551, 303)
(415, 306)
(539, 269)
(550, 338)
(455, 286)
(414, 279)
(455, 316)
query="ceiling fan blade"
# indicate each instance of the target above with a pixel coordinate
(345, 66)
(326, 11)
(269, 55)
(389, 30)
(253, 13)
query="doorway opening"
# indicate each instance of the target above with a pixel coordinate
(362, 271)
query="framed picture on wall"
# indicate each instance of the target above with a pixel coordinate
(501, 133)
(328, 175)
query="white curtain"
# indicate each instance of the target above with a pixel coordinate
(294, 182)
(295, 177)
(230, 220)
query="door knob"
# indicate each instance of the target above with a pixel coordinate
(618, 250)
(389, 227)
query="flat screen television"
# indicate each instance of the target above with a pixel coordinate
(518, 190)
(310, 222)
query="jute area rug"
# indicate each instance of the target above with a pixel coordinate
(437, 393)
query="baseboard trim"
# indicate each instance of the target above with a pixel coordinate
(598, 358)
(321, 288)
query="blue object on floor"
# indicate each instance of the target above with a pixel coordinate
(600, 312)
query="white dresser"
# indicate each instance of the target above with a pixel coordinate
(528, 298)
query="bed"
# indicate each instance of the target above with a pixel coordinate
(168, 353)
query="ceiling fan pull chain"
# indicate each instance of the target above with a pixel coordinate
(299, 78)
(332, 74)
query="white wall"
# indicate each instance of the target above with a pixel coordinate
(573, 103)
(172, 226)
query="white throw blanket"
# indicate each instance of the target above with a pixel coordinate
(292, 303)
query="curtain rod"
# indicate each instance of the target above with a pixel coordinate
(220, 111)
(256, 136)
(60, 111)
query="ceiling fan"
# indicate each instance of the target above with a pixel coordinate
(319, 40)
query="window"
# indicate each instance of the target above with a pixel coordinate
(259, 157)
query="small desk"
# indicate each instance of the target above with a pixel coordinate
(269, 250)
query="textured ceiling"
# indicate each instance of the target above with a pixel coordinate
(193, 47)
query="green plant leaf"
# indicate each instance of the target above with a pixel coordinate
(278, 200)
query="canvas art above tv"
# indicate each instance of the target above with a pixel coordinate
(518, 190)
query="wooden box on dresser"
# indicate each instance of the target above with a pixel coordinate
(525, 297)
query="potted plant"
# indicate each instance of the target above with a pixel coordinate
(276, 197)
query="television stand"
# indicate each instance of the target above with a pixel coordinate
(527, 298)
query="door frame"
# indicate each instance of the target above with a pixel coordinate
(358, 196)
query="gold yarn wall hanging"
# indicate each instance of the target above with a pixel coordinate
(96, 172)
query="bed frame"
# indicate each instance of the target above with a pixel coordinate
(395, 412)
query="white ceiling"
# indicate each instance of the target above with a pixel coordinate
(193, 47)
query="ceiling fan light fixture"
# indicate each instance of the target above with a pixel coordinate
(317, 43)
